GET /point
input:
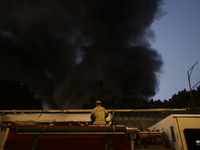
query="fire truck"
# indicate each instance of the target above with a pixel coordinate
(129, 129)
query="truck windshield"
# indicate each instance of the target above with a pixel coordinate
(192, 137)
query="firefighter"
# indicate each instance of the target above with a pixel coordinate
(99, 114)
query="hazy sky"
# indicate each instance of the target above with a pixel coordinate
(178, 41)
(41, 42)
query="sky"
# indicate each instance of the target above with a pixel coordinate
(178, 41)
(68, 51)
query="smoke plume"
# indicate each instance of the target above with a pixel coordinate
(68, 51)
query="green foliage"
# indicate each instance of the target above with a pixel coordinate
(119, 101)
(180, 100)
(13, 95)
(196, 95)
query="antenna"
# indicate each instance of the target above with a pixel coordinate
(189, 72)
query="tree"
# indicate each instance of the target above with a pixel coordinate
(180, 100)
(13, 95)
(118, 101)
(196, 96)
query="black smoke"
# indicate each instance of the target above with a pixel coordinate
(69, 50)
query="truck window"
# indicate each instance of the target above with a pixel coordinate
(192, 137)
(173, 134)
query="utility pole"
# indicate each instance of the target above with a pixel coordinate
(192, 104)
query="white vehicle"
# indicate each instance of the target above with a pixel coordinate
(182, 131)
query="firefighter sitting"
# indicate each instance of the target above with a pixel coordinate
(99, 114)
